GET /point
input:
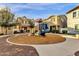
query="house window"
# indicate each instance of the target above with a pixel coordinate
(77, 27)
(78, 13)
(53, 19)
(54, 27)
(74, 14)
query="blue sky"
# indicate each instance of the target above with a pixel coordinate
(39, 10)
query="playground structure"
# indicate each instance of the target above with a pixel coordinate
(42, 27)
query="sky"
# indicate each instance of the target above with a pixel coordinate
(39, 10)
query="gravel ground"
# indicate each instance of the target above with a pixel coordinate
(7, 49)
(48, 39)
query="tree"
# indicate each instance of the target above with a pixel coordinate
(7, 19)
(31, 25)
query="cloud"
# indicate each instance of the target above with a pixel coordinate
(26, 6)
(16, 7)
(36, 6)
(2, 5)
(37, 9)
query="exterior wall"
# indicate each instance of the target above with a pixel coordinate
(71, 22)
(21, 22)
(54, 21)
(1, 30)
(10, 30)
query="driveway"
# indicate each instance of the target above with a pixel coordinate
(7, 49)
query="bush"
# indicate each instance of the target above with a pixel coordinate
(21, 31)
(27, 30)
(1, 34)
(64, 32)
(42, 33)
(16, 32)
(55, 31)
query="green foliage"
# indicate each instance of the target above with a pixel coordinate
(6, 24)
(7, 17)
(31, 23)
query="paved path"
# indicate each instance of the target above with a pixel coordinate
(67, 48)
(7, 49)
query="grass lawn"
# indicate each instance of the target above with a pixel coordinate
(48, 39)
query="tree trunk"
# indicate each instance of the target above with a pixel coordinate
(6, 30)
(31, 31)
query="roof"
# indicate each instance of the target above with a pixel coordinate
(38, 20)
(77, 7)
(50, 16)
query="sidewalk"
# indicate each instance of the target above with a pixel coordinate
(66, 48)
(64, 35)
(13, 34)
(4, 35)
(68, 36)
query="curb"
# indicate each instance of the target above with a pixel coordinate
(33, 45)
(7, 40)
(4, 35)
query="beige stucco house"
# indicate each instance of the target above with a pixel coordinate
(73, 18)
(55, 22)
(23, 23)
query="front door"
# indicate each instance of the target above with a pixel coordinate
(51, 28)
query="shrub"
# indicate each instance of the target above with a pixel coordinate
(1, 34)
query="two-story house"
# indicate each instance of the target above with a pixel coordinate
(56, 22)
(73, 19)
(22, 23)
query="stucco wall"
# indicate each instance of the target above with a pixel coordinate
(72, 21)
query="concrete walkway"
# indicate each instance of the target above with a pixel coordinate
(67, 48)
